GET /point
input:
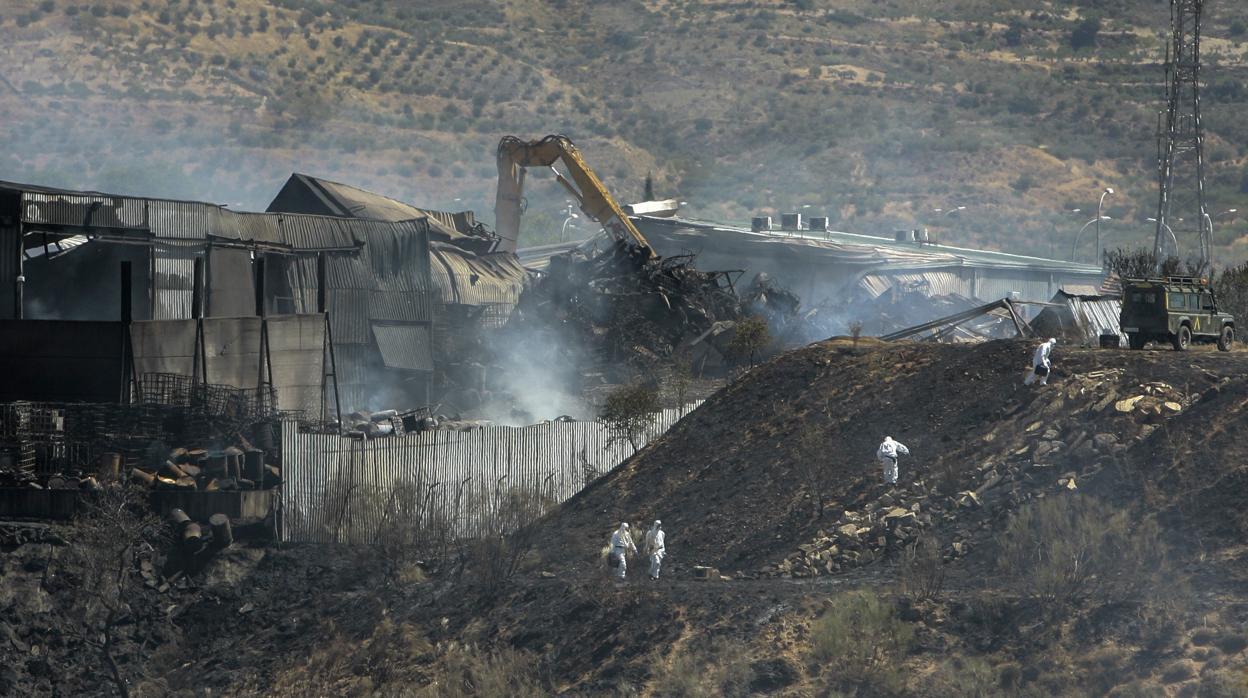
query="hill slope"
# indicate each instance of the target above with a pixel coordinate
(730, 481)
(875, 113)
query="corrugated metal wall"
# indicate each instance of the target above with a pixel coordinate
(337, 489)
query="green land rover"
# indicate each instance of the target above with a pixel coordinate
(1178, 309)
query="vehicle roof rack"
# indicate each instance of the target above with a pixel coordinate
(1186, 280)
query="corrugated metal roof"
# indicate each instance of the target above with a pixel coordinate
(360, 203)
(348, 315)
(867, 249)
(400, 306)
(407, 347)
(466, 279)
(1084, 317)
(931, 283)
(175, 221)
(84, 210)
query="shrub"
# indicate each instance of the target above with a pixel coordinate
(628, 413)
(720, 669)
(923, 568)
(505, 532)
(469, 672)
(969, 677)
(861, 640)
(752, 337)
(1068, 549)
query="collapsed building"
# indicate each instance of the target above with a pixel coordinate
(476, 284)
(202, 264)
(885, 284)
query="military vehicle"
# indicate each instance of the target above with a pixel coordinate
(1177, 309)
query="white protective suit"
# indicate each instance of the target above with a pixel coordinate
(1041, 358)
(887, 454)
(655, 548)
(621, 543)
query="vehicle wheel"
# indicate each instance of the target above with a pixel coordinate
(1227, 339)
(1183, 339)
(1136, 340)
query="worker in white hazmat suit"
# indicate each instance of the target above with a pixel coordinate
(1041, 364)
(621, 544)
(887, 454)
(655, 548)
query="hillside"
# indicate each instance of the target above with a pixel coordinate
(875, 113)
(1136, 457)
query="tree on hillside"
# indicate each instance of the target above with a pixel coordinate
(628, 412)
(751, 338)
(1085, 33)
(811, 462)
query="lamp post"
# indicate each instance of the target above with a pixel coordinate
(570, 217)
(1078, 235)
(1099, 204)
(1173, 240)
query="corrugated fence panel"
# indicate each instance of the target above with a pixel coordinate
(343, 490)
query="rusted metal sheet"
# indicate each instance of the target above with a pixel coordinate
(336, 489)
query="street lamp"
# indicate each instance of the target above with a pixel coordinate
(1078, 235)
(1173, 240)
(1099, 204)
(570, 217)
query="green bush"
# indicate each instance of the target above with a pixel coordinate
(628, 413)
(861, 640)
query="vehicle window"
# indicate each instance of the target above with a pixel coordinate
(1150, 298)
(1176, 301)
(1193, 301)
(1206, 301)
(1137, 297)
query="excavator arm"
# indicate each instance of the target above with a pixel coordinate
(515, 156)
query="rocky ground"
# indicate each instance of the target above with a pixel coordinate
(1151, 437)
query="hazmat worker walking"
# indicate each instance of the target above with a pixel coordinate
(621, 544)
(1041, 364)
(655, 548)
(887, 454)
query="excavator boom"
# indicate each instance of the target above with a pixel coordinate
(515, 156)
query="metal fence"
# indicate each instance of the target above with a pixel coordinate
(338, 489)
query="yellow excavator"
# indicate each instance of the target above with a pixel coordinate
(516, 155)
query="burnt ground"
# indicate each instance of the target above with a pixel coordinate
(727, 483)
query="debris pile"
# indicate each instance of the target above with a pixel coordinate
(624, 309)
(188, 470)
